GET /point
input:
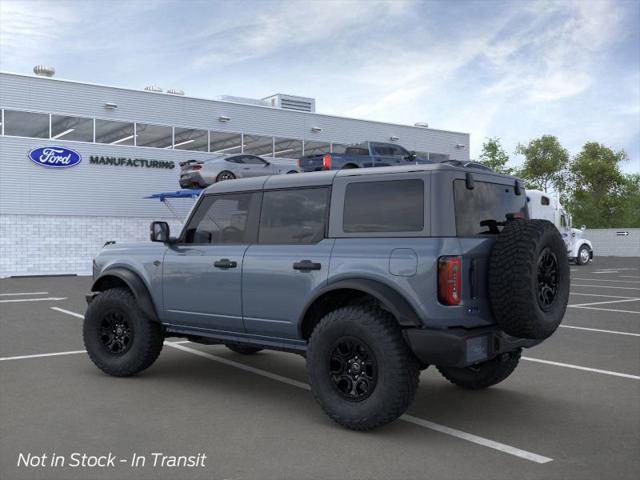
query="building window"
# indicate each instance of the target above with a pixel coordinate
(191, 139)
(258, 145)
(26, 124)
(389, 206)
(293, 216)
(157, 136)
(287, 148)
(71, 128)
(316, 148)
(114, 133)
(225, 143)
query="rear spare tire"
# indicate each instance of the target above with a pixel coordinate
(529, 279)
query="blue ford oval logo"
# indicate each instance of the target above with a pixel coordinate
(55, 157)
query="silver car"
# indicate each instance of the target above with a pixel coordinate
(202, 173)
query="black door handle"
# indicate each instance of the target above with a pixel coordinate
(225, 263)
(306, 265)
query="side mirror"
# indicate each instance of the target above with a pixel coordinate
(159, 232)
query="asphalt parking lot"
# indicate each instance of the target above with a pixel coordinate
(571, 409)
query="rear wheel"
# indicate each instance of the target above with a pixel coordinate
(243, 349)
(361, 371)
(119, 338)
(225, 175)
(483, 374)
(583, 255)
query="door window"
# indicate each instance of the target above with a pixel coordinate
(224, 219)
(294, 216)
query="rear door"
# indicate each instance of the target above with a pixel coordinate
(202, 272)
(290, 260)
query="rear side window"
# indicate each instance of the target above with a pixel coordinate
(486, 202)
(391, 206)
(295, 216)
(227, 218)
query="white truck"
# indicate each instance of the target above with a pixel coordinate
(544, 206)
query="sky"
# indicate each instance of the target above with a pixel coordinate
(509, 69)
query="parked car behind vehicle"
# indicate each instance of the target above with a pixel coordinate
(372, 275)
(202, 173)
(366, 154)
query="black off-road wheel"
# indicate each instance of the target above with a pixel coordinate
(243, 349)
(119, 338)
(529, 279)
(483, 374)
(225, 175)
(361, 371)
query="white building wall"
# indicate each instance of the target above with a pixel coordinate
(57, 245)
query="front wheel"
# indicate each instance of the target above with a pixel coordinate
(119, 338)
(483, 374)
(361, 371)
(583, 255)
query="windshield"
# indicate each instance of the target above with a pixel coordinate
(484, 209)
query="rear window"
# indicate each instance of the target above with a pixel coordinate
(391, 206)
(486, 202)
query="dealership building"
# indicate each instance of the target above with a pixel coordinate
(77, 159)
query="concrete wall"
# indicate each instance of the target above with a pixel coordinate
(606, 242)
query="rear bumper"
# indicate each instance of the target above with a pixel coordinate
(459, 347)
(192, 179)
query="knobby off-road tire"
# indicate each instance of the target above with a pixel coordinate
(484, 374)
(388, 370)
(529, 279)
(243, 349)
(119, 338)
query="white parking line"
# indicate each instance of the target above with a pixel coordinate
(597, 295)
(610, 310)
(604, 286)
(62, 310)
(580, 367)
(601, 330)
(41, 355)
(47, 299)
(632, 299)
(407, 418)
(629, 276)
(534, 457)
(23, 293)
(605, 280)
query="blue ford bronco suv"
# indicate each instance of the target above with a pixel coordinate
(371, 274)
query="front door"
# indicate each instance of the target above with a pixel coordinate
(290, 260)
(202, 273)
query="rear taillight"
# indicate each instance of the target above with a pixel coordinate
(326, 162)
(299, 163)
(196, 167)
(449, 280)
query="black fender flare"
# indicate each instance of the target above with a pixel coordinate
(135, 284)
(388, 297)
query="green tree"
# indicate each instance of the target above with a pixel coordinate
(630, 216)
(545, 163)
(495, 157)
(600, 195)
